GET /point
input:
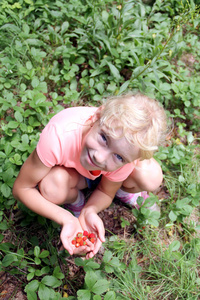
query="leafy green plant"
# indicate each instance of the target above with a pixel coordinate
(144, 215)
(150, 263)
(94, 285)
(124, 222)
(42, 278)
(96, 281)
(44, 287)
(54, 54)
(181, 180)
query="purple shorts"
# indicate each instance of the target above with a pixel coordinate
(92, 184)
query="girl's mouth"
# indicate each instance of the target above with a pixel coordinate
(91, 162)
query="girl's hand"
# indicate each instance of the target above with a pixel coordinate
(91, 222)
(68, 232)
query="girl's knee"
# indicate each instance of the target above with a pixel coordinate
(155, 181)
(153, 177)
(56, 186)
(147, 176)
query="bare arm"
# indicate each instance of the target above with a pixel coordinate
(24, 190)
(103, 196)
(100, 199)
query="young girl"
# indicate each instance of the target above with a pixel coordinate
(110, 147)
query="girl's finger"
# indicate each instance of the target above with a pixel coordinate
(102, 238)
(68, 248)
(97, 246)
(82, 250)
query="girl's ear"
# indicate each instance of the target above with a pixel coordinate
(97, 114)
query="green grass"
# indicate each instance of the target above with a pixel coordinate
(55, 54)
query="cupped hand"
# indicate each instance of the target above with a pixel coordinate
(68, 233)
(91, 222)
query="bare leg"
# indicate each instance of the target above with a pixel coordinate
(61, 185)
(147, 176)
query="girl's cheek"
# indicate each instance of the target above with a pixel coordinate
(118, 164)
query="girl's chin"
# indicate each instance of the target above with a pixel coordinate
(86, 165)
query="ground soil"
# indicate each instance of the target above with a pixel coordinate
(11, 286)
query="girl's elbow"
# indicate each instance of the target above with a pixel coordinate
(15, 190)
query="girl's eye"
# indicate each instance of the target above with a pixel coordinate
(103, 137)
(119, 157)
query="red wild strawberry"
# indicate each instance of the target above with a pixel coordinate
(77, 245)
(92, 240)
(81, 243)
(85, 233)
(84, 238)
(73, 242)
(91, 235)
(78, 239)
(79, 234)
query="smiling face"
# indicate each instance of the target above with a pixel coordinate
(100, 151)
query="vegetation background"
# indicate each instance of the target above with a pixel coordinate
(56, 54)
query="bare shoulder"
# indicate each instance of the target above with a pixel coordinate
(34, 164)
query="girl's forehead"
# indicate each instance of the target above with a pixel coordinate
(115, 129)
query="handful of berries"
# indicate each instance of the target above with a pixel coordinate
(81, 238)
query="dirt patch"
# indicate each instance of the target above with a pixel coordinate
(10, 288)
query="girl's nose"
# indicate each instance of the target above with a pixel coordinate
(100, 157)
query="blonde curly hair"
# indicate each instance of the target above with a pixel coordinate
(142, 120)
